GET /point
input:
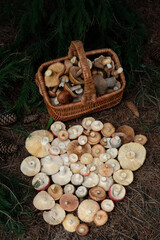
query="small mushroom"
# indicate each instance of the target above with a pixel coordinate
(79, 65)
(107, 141)
(82, 140)
(81, 192)
(52, 92)
(68, 64)
(97, 193)
(63, 80)
(74, 74)
(73, 157)
(76, 167)
(123, 177)
(100, 84)
(104, 157)
(54, 101)
(40, 181)
(117, 192)
(76, 179)
(82, 229)
(110, 82)
(54, 150)
(97, 125)
(30, 166)
(114, 163)
(74, 147)
(63, 135)
(61, 146)
(56, 127)
(70, 223)
(100, 218)
(97, 150)
(105, 170)
(86, 122)
(56, 191)
(55, 216)
(140, 139)
(117, 72)
(87, 209)
(132, 156)
(69, 188)
(86, 158)
(53, 73)
(105, 182)
(129, 133)
(98, 62)
(94, 138)
(75, 131)
(107, 205)
(95, 164)
(115, 142)
(112, 152)
(64, 97)
(74, 60)
(63, 176)
(69, 202)
(43, 201)
(117, 86)
(85, 171)
(108, 130)
(91, 180)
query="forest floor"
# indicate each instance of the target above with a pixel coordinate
(137, 216)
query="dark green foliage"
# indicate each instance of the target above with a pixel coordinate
(13, 195)
(46, 29)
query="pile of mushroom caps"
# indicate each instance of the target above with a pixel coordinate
(65, 80)
(83, 169)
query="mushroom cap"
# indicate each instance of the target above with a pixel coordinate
(105, 182)
(76, 167)
(69, 202)
(88, 61)
(132, 156)
(123, 177)
(56, 127)
(72, 75)
(117, 192)
(69, 188)
(82, 140)
(107, 205)
(97, 150)
(86, 122)
(104, 157)
(142, 139)
(97, 193)
(107, 141)
(40, 181)
(87, 209)
(74, 147)
(77, 179)
(55, 190)
(68, 65)
(63, 176)
(81, 192)
(85, 171)
(86, 158)
(53, 73)
(129, 133)
(75, 131)
(100, 218)
(115, 142)
(97, 125)
(108, 130)
(91, 180)
(30, 166)
(68, 88)
(65, 159)
(113, 152)
(114, 163)
(54, 150)
(51, 164)
(70, 223)
(94, 138)
(37, 143)
(55, 216)
(105, 170)
(63, 135)
(73, 157)
(61, 145)
(82, 229)
(64, 97)
(95, 164)
(43, 201)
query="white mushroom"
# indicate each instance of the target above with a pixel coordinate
(75, 131)
(55, 216)
(107, 205)
(65, 159)
(51, 164)
(91, 180)
(69, 188)
(117, 192)
(76, 179)
(81, 192)
(63, 176)
(104, 157)
(30, 166)
(76, 167)
(113, 152)
(62, 145)
(105, 182)
(56, 127)
(115, 142)
(73, 158)
(43, 201)
(97, 125)
(82, 140)
(40, 181)
(54, 150)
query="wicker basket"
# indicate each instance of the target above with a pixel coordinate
(89, 102)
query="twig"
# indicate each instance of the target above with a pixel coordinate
(121, 233)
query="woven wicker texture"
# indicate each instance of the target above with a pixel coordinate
(89, 102)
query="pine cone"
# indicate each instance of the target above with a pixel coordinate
(7, 118)
(6, 147)
(31, 118)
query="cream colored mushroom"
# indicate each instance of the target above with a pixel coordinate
(115, 142)
(86, 158)
(43, 201)
(132, 156)
(81, 192)
(30, 166)
(85, 171)
(117, 192)
(73, 157)
(91, 180)
(70, 223)
(87, 209)
(56, 191)
(37, 143)
(113, 152)
(76, 167)
(97, 125)
(82, 140)
(69, 188)
(40, 181)
(63, 176)
(114, 163)
(123, 177)
(107, 205)
(104, 157)
(62, 145)
(76, 179)
(55, 216)
(65, 159)
(108, 130)
(105, 182)
(51, 164)
(56, 127)
(54, 151)
(86, 122)
(75, 131)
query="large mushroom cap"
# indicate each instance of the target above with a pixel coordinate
(108, 130)
(117, 192)
(91, 180)
(87, 209)
(70, 223)
(63, 176)
(75, 131)
(43, 201)
(100, 218)
(37, 143)
(30, 166)
(51, 164)
(123, 177)
(74, 147)
(55, 216)
(132, 156)
(69, 202)
(53, 73)
(128, 133)
(55, 191)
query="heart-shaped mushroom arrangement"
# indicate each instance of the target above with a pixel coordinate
(65, 82)
(84, 168)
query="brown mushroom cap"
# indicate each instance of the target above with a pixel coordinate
(64, 97)
(105, 170)
(73, 75)
(43, 201)
(75, 131)
(86, 122)
(63, 135)
(97, 193)
(53, 73)
(132, 156)
(123, 177)
(140, 139)
(107, 205)
(69, 202)
(100, 218)
(30, 166)
(86, 158)
(74, 147)
(108, 130)
(82, 229)
(97, 125)
(129, 133)
(97, 150)
(68, 65)
(87, 209)
(67, 88)
(94, 138)
(55, 216)
(55, 190)
(37, 143)
(70, 223)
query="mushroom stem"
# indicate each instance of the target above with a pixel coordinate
(81, 230)
(70, 221)
(45, 140)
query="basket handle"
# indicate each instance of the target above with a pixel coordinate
(89, 94)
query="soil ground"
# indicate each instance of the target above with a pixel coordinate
(137, 216)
